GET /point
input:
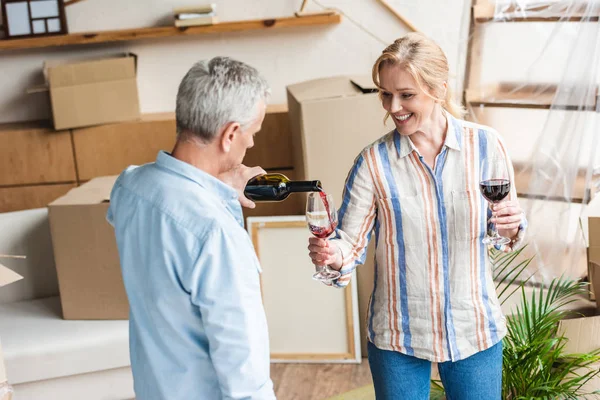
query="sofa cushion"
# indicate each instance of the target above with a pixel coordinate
(38, 344)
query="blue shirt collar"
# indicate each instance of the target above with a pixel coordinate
(204, 179)
(405, 146)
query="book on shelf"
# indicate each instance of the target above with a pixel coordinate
(201, 9)
(195, 16)
(197, 21)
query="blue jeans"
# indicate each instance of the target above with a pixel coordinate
(398, 376)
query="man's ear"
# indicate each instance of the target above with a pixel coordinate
(228, 134)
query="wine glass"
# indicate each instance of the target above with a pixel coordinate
(495, 186)
(321, 216)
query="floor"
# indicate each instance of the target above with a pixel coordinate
(318, 381)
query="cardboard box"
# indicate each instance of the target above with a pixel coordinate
(273, 144)
(86, 255)
(108, 149)
(16, 198)
(590, 222)
(93, 91)
(332, 120)
(33, 153)
(7, 276)
(584, 337)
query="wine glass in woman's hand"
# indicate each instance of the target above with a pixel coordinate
(322, 221)
(495, 186)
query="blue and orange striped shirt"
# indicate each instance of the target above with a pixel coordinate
(434, 297)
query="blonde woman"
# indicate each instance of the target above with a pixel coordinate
(417, 188)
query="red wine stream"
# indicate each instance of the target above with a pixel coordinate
(324, 231)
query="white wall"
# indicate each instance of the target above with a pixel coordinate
(283, 56)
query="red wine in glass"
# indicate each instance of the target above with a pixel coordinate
(321, 232)
(495, 190)
(495, 186)
(322, 221)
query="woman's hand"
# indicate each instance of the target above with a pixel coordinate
(325, 252)
(237, 178)
(507, 216)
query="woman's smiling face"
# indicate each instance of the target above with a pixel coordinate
(409, 106)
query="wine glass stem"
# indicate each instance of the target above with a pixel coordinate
(495, 233)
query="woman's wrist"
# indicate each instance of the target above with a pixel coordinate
(339, 258)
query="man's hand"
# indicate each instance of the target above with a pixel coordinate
(237, 178)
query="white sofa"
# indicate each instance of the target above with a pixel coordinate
(47, 357)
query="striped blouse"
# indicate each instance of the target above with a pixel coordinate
(433, 297)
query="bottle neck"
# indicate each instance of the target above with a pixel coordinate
(304, 186)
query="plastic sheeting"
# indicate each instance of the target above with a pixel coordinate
(539, 89)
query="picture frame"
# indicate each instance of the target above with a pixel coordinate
(33, 18)
(309, 322)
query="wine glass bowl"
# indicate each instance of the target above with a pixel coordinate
(321, 217)
(495, 186)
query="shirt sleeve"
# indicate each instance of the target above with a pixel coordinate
(356, 219)
(227, 293)
(518, 241)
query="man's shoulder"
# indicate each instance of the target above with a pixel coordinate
(150, 190)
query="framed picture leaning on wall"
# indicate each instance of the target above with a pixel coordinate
(308, 321)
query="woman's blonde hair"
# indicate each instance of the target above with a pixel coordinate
(427, 64)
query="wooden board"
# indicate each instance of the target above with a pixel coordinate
(34, 153)
(166, 31)
(485, 12)
(524, 175)
(26, 197)
(522, 95)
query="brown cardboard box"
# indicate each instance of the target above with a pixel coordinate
(273, 144)
(7, 276)
(332, 120)
(108, 149)
(33, 153)
(93, 91)
(85, 253)
(592, 219)
(584, 337)
(15, 198)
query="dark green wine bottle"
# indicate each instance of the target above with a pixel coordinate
(277, 187)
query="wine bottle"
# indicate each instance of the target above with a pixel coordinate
(277, 187)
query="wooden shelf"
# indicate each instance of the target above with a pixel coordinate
(165, 31)
(516, 95)
(485, 12)
(523, 176)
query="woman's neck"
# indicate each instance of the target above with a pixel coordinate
(431, 138)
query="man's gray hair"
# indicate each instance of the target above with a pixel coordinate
(215, 92)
